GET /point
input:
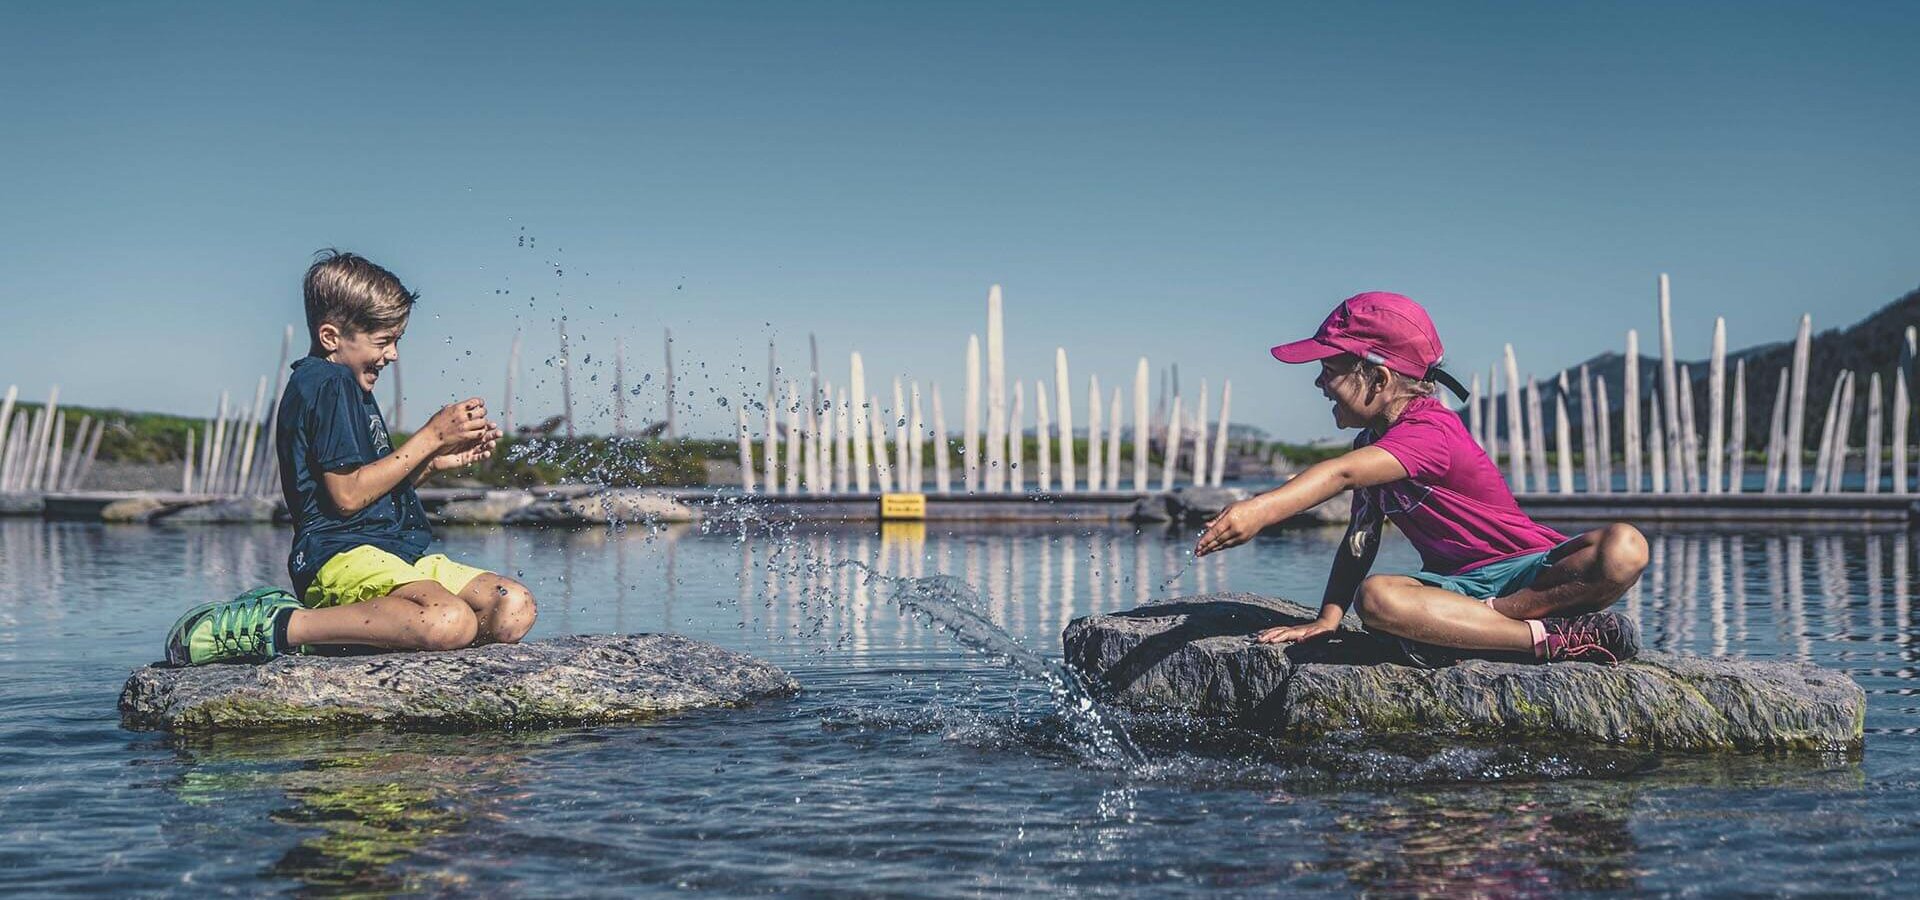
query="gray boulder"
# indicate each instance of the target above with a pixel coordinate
(229, 511)
(1198, 504)
(1151, 508)
(583, 679)
(1196, 656)
(492, 508)
(617, 506)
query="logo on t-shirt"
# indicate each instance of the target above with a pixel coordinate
(377, 430)
(1396, 497)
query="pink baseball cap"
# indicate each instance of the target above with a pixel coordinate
(1382, 328)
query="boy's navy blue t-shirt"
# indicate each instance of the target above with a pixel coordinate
(327, 423)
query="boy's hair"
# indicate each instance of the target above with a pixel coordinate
(354, 294)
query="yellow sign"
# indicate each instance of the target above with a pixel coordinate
(911, 534)
(903, 506)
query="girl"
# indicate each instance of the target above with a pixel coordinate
(1491, 578)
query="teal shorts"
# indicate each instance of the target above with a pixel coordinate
(1495, 579)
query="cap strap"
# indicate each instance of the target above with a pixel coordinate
(1435, 373)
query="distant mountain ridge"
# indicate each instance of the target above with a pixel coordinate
(1871, 345)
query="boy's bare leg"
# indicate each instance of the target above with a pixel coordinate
(1587, 574)
(1406, 607)
(503, 607)
(421, 615)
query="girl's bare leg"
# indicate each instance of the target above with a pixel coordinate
(1407, 607)
(503, 607)
(1587, 574)
(421, 615)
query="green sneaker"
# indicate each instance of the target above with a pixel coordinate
(237, 630)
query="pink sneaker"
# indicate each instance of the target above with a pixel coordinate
(1595, 637)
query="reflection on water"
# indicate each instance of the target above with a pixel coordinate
(911, 765)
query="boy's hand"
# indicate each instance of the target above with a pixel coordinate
(460, 424)
(478, 453)
(1235, 525)
(1295, 634)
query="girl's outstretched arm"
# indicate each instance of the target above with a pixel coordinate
(1350, 564)
(1238, 523)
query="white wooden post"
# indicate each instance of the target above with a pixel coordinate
(842, 443)
(1219, 467)
(1170, 454)
(513, 370)
(1063, 392)
(1689, 442)
(1590, 463)
(1536, 436)
(917, 431)
(1797, 406)
(942, 471)
(861, 432)
(186, 467)
(1901, 411)
(1777, 436)
(1716, 407)
(1630, 412)
(1096, 478)
(1873, 434)
(1737, 432)
(996, 475)
(1822, 468)
(970, 419)
(1113, 442)
(1656, 445)
(882, 472)
(791, 486)
(770, 444)
(1043, 432)
(1842, 432)
(1142, 428)
(1604, 415)
(1016, 439)
(1563, 440)
(746, 451)
(1200, 457)
(1493, 416)
(1670, 389)
(902, 459)
(1516, 428)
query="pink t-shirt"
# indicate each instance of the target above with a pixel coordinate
(1453, 506)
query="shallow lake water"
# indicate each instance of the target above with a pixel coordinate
(911, 764)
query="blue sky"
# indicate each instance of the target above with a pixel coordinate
(1188, 182)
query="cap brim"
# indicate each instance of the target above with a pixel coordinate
(1309, 350)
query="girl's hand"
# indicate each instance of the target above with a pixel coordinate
(1295, 634)
(1235, 525)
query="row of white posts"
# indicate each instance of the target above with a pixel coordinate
(836, 440)
(234, 453)
(1667, 458)
(35, 454)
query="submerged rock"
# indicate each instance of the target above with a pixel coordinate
(15, 503)
(618, 506)
(225, 511)
(582, 679)
(491, 509)
(1196, 656)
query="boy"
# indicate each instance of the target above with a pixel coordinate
(360, 535)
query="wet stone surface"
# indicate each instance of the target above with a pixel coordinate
(1195, 656)
(581, 679)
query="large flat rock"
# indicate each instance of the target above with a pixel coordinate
(583, 679)
(1196, 656)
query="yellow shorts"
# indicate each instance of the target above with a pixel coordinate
(366, 572)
